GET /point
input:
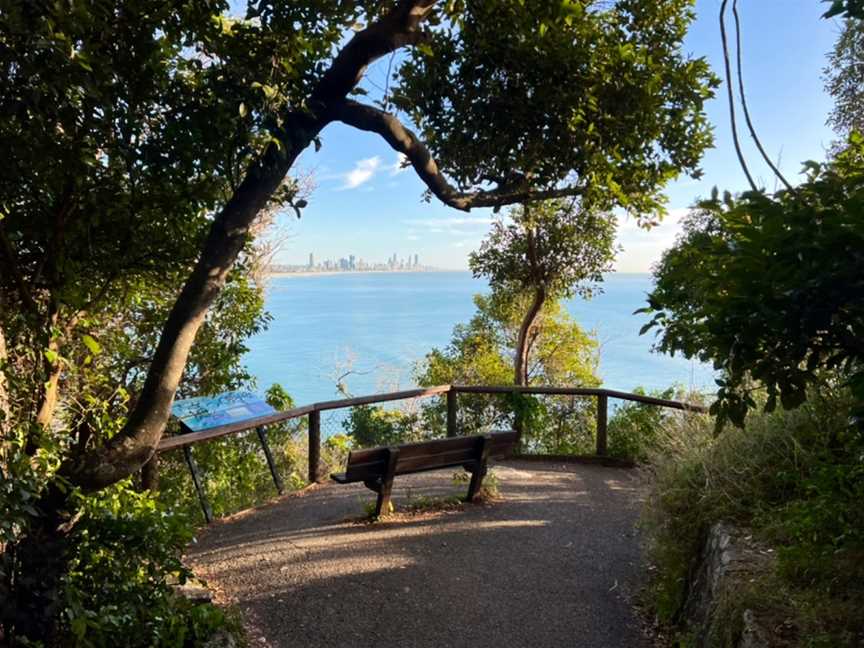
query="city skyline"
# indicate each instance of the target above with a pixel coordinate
(355, 263)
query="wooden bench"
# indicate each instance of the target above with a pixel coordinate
(377, 467)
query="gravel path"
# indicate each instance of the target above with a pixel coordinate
(554, 562)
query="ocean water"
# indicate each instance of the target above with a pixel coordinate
(376, 326)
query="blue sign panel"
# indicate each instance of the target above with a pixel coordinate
(205, 412)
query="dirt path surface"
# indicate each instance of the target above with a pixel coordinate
(554, 562)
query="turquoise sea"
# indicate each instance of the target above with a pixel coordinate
(378, 325)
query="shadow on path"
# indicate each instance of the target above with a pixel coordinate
(554, 562)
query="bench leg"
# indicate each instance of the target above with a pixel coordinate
(479, 470)
(383, 503)
(384, 485)
(477, 475)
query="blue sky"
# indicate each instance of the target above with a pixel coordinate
(363, 204)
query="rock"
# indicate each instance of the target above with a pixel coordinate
(221, 639)
(753, 635)
(729, 559)
(194, 591)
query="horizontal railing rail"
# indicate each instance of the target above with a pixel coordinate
(295, 412)
(313, 411)
(578, 391)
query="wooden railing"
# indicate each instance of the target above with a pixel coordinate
(313, 412)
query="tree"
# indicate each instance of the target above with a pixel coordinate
(481, 353)
(770, 288)
(845, 8)
(548, 251)
(844, 81)
(143, 142)
(608, 86)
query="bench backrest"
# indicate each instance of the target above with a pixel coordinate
(427, 455)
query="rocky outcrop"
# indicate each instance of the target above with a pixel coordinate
(714, 610)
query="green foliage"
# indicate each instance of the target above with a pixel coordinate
(771, 288)
(845, 8)
(22, 481)
(123, 559)
(481, 353)
(794, 477)
(370, 426)
(844, 81)
(600, 96)
(334, 451)
(635, 429)
(555, 245)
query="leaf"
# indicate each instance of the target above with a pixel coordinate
(242, 109)
(52, 356)
(94, 347)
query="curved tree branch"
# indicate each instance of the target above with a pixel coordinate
(403, 140)
(397, 29)
(134, 445)
(731, 96)
(744, 107)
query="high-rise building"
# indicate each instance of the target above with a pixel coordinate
(311, 260)
(352, 265)
(416, 260)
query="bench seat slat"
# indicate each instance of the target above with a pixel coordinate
(368, 464)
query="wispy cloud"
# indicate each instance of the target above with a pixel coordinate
(399, 165)
(447, 223)
(643, 248)
(362, 172)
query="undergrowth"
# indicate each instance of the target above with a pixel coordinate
(796, 479)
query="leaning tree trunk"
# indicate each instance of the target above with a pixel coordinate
(135, 444)
(520, 377)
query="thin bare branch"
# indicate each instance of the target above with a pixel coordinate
(744, 107)
(731, 96)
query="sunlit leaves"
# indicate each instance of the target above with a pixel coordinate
(560, 246)
(552, 92)
(770, 288)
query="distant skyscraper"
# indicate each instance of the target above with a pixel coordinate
(416, 260)
(311, 260)
(352, 262)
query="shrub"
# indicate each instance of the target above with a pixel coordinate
(122, 560)
(370, 426)
(640, 431)
(794, 478)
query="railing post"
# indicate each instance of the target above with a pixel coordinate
(602, 417)
(274, 471)
(314, 446)
(451, 413)
(199, 484)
